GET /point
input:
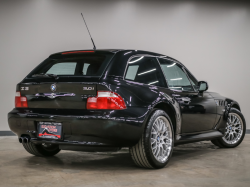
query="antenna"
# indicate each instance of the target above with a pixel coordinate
(89, 32)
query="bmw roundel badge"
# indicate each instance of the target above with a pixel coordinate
(53, 87)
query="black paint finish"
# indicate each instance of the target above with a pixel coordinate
(195, 115)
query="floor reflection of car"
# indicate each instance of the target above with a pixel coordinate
(103, 100)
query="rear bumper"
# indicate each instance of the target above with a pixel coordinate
(96, 128)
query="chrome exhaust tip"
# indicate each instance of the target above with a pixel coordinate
(20, 140)
(26, 140)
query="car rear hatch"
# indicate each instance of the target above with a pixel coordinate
(66, 95)
(65, 81)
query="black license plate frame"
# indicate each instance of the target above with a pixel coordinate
(49, 130)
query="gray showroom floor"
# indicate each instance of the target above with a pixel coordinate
(198, 164)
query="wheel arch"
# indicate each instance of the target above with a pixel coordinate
(170, 111)
(236, 105)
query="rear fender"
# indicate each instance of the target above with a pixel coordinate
(171, 107)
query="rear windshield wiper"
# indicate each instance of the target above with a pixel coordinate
(45, 75)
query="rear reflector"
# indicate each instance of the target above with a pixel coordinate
(70, 52)
(106, 100)
(20, 102)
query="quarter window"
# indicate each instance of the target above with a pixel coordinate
(145, 70)
(176, 77)
(85, 68)
(132, 71)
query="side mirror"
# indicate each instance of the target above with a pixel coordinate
(203, 86)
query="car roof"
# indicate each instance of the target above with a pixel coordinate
(122, 51)
(104, 50)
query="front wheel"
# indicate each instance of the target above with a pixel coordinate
(235, 130)
(156, 144)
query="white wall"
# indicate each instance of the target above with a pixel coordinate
(212, 38)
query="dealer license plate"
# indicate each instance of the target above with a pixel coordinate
(50, 130)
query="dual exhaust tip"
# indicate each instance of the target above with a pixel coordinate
(24, 140)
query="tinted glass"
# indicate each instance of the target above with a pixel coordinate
(86, 65)
(65, 68)
(145, 70)
(193, 81)
(176, 77)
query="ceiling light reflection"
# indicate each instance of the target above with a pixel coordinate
(171, 65)
(128, 52)
(176, 79)
(136, 60)
(153, 82)
(147, 71)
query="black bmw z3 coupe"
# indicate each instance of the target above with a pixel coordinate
(103, 100)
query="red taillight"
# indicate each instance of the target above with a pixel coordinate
(20, 102)
(106, 100)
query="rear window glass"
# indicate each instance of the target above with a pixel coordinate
(86, 65)
(64, 68)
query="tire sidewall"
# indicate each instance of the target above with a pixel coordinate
(147, 139)
(38, 150)
(47, 152)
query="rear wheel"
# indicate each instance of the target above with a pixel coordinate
(235, 130)
(43, 150)
(156, 144)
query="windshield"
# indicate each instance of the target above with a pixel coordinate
(84, 65)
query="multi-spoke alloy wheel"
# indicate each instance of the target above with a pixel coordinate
(234, 131)
(156, 144)
(161, 139)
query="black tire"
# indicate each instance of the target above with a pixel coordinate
(221, 141)
(41, 150)
(215, 142)
(142, 153)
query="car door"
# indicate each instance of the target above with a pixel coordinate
(198, 109)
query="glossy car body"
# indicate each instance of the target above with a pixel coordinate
(195, 115)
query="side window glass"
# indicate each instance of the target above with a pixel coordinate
(132, 71)
(64, 68)
(145, 70)
(85, 68)
(193, 81)
(176, 77)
